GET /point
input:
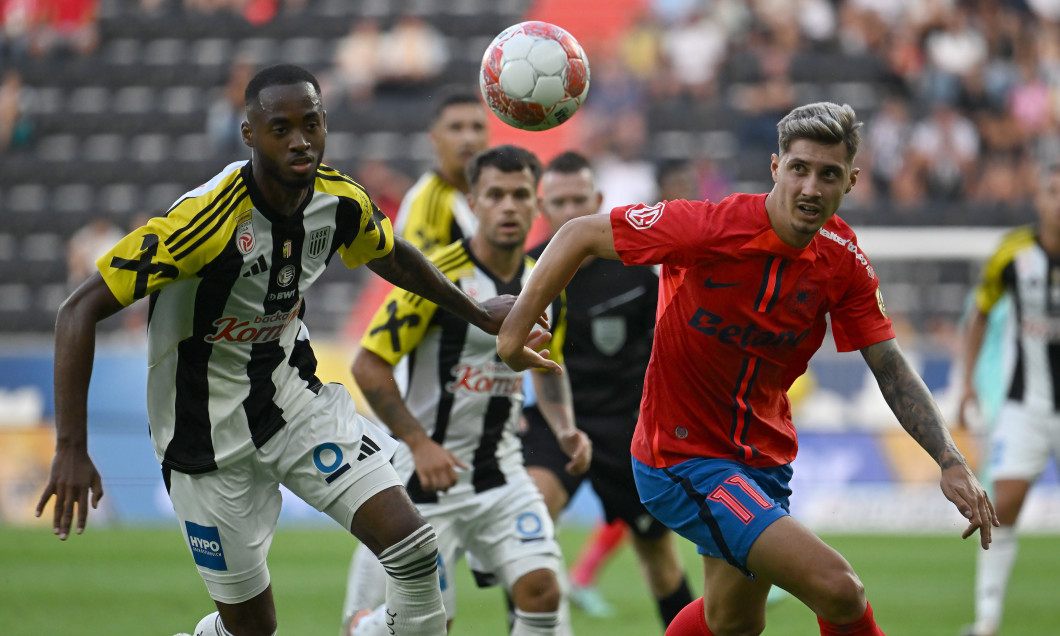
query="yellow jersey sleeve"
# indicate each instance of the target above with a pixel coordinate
(992, 282)
(167, 249)
(430, 220)
(399, 325)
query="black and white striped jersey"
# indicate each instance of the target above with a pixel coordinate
(229, 360)
(1023, 269)
(458, 388)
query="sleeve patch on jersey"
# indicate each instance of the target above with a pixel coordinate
(394, 324)
(145, 266)
(642, 217)
(879, 302)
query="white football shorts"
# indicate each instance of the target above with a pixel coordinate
(329, 456)
(506, 531)
(1022, 442)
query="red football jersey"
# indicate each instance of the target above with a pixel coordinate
(740, 314)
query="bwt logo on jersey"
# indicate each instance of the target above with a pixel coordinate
(746, 336)
(205, 544)
(261, 329)
(642, 217)
(495, 379)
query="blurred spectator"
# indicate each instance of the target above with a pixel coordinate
(953, 51)
(695, 49)
(945, 147)
(16, 127)
(85, 246)
(388, 186)
(227, 111)
(356, 65)
(412, 52)
(677, 180)
(623, 172)
(886, 137)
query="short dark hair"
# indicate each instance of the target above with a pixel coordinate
(569, 162)
(450, 96)
(278, 75)
(505, 158)
(823, 123)
(667, 167)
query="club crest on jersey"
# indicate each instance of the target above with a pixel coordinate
(318, 242)
(287, 248)
(609, 334)
(642, 217)
(286, 276)
(245, 235)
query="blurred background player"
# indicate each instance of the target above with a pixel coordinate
(746, 284)
(459, 417)
(1026, 268)
(610, 322)
(435, 212)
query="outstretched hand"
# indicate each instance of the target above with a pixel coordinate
(532, 356)
(962, 488)
(73, 476)
(498, 308)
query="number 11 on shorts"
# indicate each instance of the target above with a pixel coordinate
(721, 494)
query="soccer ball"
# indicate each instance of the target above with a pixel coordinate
(534, 76)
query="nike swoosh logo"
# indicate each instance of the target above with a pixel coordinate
(714, 285)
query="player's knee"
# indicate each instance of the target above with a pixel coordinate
(843, 598)
(537, 591)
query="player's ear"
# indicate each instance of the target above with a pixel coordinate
(853, 179)
(247, 133)
(324, 120)
(774, 165)
(598, 200)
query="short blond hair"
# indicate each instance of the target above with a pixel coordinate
(822, 122)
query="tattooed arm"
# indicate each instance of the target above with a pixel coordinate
(912, 404)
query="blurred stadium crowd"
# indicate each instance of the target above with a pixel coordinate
(110, 109)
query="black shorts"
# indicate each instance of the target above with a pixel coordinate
(611, 472)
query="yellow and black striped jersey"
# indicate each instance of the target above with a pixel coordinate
(458, 388)
(229, 360)
(434, 214)
(1022, 269)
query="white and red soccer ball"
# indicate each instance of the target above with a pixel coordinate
(534, 76)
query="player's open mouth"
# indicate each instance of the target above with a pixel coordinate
(809, 210)
(302, 164)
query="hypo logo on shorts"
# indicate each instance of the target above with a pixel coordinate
(205, 544)
(328, 459)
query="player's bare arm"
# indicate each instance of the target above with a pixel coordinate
(435, 466)
(73, 475)
(576, 240)
(555, 401)
(971, 343)
(912, 404)
(407, 267)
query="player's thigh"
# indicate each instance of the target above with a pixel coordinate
(1008, 498)
(338, 462)
(512, 534)
(722, 506)
(551, 488)
(228, 517)
(789, 555)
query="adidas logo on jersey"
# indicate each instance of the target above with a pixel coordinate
(368, 448)
(258, 267)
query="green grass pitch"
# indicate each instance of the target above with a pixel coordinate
(141, 582)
